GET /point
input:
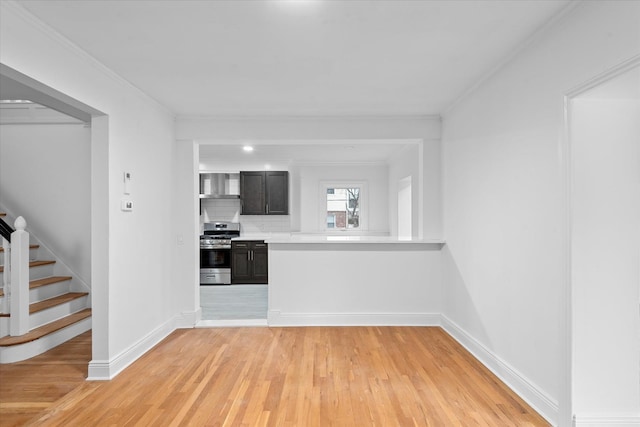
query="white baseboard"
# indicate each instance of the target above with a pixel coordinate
(606, 420)
(277, 318)
(188, 319)
(102, 370)
(528, 391)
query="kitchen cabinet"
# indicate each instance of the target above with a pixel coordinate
(264, 193)
(249, 262)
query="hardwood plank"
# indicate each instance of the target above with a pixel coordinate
(48, 281)
(28, 388)
(339, 376)
(32, 264)
(43, 330)
(52, 302)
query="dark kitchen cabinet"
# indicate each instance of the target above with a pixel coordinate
(264, 193)
(249, 262)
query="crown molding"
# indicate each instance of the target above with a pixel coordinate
(308, 117)
(510, 57)
(34, 22)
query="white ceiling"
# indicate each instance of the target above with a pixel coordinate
(299, 57)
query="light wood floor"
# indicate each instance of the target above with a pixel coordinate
(364, 376)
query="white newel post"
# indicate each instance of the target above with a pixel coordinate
(19, 298)
(4, 308)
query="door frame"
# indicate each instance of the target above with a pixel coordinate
(566, 415)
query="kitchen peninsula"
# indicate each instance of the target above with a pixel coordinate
(353, 280)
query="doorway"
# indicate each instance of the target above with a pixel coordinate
(604, 145)
(16, 85)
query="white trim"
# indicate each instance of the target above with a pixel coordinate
(76, 50)
(607, 420)
(108, 369)
(277, 318)
(604, 77)
(188, 319)
(522, 386)
(17, 353)
(565, 149)
(310, 116)
(506, 60)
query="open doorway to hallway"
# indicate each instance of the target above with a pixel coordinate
(604, 131)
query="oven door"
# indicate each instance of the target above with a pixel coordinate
(215, 266)
(216, 257)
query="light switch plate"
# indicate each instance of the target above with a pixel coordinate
(126, 205)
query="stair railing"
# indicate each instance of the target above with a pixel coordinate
(16, 269)
(5, 232)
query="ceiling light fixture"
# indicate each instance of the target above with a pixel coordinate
(247, 148)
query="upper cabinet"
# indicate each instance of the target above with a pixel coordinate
(264, 193)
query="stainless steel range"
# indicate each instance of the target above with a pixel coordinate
(215, 252)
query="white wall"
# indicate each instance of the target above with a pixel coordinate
(354, 284)
(132, 295)
(229, 210)
(504, 263)
(605, 147)
(185, 273)
(405, 163)
(45, 176)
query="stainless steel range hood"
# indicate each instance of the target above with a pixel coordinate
(220, 185)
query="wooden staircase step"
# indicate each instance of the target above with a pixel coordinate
(38, 283)
(52, 302)
(48, 281)
(32, 264)
(30, 247)
(46, 329)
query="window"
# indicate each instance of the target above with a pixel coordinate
(342, 206)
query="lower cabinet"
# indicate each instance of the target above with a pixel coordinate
(249, 262)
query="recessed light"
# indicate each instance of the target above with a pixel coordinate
(247, 148)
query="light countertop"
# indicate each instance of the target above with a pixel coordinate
(294, 238)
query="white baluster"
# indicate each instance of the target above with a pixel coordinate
(19, 279)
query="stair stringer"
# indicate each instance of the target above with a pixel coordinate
(19, 352)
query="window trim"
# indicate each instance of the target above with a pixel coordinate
(364, 206)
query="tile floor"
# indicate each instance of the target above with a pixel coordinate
(233, 302)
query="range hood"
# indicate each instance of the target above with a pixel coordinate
(220, 185)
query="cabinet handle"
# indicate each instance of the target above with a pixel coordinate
(267, 208)
(248, 255)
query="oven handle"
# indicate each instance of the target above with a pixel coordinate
(216, 247)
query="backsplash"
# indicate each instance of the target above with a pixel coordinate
(229, 210)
